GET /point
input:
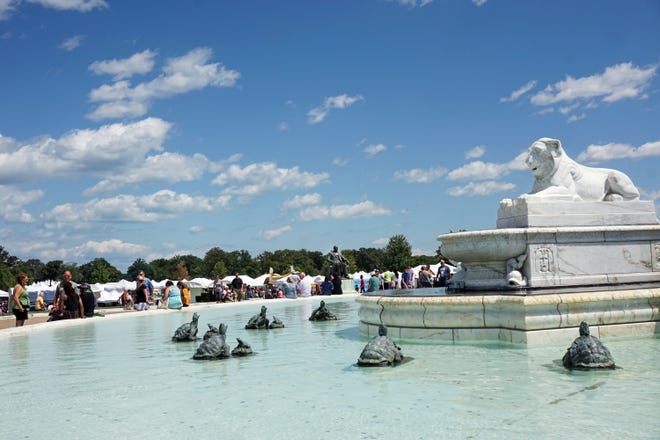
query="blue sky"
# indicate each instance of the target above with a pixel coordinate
(143, 129)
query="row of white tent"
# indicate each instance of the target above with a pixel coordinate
(110, 292)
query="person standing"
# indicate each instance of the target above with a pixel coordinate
(362, 284)
(444, 274)
(407, 278)
(374, 282)
(59, 290)
(21, 299)
(218, 289)
(304, 286)
(237, 287)
(387, 280)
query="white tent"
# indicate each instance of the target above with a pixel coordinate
(4, 294)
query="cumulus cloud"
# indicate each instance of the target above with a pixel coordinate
(418, 175)
(318, 114)
(166, 167)
(480, 188)
(259, 178)
(621, 81)
(7, 7)
(273, 233)
(147, 208)
(95, 152)
(475, 153)
(139, 63)
(374, 150)
(192, 71)
(304, 200)
(340, 161)
(13, 201)
(480, 170)
(519, 92)
(602, 153)
(339, 212)
(72, 5)
(72, 43)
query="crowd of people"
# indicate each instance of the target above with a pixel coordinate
(72, 300)
(388, 280)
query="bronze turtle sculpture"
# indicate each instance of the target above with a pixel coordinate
(242, 349)
(258, 321)
(211, 331)
(215, 347)
(587, 352)
(380, 351)
(188, 331)
(276, 323)
(322, 314)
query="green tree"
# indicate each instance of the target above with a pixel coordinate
(99, 271)
(398, 253)
(219, 269)
(212, 257)
(138, 265)
(368, 259)
(54, 270)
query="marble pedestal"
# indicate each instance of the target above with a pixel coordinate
(600, 243)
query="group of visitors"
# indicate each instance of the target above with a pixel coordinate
(71, 301)
(406, 280)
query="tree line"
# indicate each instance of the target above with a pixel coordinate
(396, 255)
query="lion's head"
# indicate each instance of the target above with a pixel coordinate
(541, 157)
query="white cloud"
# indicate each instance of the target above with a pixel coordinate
(373, 150)
(479, 170)
(621, 81)
(192, 71)
(166, 167)
(340, 161)
(318, 114)
(7, 7)
(521, 91)
(148, 208)
(480, 189)
(71, 5)
(339, 212)
(418, 175)
(381, 241)
(413, 3)
(602, 153)
(13, 201)
(195, 229)
(258, 178)
(475, 153)
(273, 233)
(101, 152)
(304, 200)
(574, 118)
(72, 43)
(283, 126)
(139, 63)
(479, 2)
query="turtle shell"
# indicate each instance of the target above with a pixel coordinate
(381, 350)
(586, 353)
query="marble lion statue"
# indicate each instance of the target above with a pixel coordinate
(556, 174)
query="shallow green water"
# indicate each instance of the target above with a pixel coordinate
(124, 378)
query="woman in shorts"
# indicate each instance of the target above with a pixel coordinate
(21, 299)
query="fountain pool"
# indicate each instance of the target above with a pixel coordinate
(121, 377)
